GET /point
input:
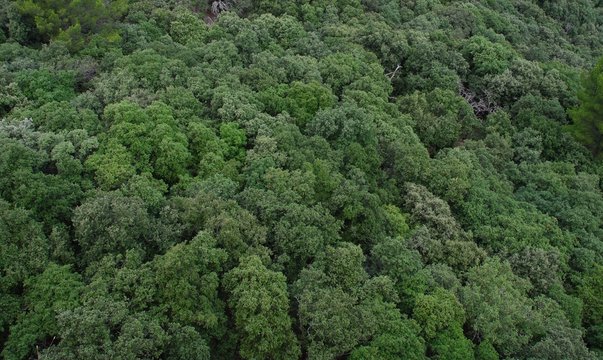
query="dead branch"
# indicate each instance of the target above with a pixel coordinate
(391, 75)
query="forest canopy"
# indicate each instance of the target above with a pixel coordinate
(301, 179)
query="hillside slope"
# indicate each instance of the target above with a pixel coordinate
(301, 179)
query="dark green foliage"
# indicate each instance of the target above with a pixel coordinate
(56, 290)
(589, 292)
(588, 126)
(73, 21)
(24, 252)
(264, 179)
(113, 223)
(440, 118)
(340, 308)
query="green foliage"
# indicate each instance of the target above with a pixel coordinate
(300, 100)
(440, 118)
(55, 290)
(438, 311)
(589, 292)
(452, 344)
(73, 21)
(340, 307)
(43, 86)
(192, 299)
(258, 298)
(300, 179)
(140, 140)
(402, 343)
(485, 351)
(24, 245)
(498, 308)
(113, 223)
(588, 126)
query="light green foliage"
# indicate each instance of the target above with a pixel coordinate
(451, 344)
(437, 311)
(498, 308)
(396, 220)
(486, 57)
(187, 283)
(450, 173)
(43, 86)
(186, 28)
(485, 351)
(137, 77)
(300, 100)
(258, 298)
(140, 140)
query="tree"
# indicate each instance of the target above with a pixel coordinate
(393, 258)
(588, 117)
(186, 279)
(485, 351)
(588, 291)
(437, 311)
(23, 253)
(486, 57)
(140, 140)
(42, 86)
(235, 229)
(61, 115)
(498, 308)
(440, 118)
(315, 179)
(441, 238)
(103, 329)
(111, 223)
(259, 301)
(403, 342)
(341, 308)
(48, 294)
(539, 266)
(451, 344)
(72, 21)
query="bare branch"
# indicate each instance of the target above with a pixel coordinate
(482, 107)
(391, 75)
(219, 6)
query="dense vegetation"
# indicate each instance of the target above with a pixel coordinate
(286, 179)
